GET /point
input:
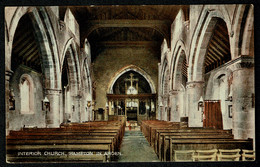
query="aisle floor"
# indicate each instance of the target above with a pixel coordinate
(135, 148)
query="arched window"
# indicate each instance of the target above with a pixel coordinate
(26, 94)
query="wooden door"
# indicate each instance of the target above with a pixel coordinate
(212, 114)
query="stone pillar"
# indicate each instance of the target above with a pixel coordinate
(78, 108)
(175, 115)
(106, 112)
(88, 109)
(160, 108)
(75, 111)
(91, 111)
(194, 92)
(8, 74)
(53, 116)
(165, 107)
(243, 109)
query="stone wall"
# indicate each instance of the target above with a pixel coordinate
(235, 77)
(111, 60)
(18, 120)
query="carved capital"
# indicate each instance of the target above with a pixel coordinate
(165, 96)
(8, 74)
(52, 91)
(243, 62)
(78, 97)
(193, 84)
(173, 92)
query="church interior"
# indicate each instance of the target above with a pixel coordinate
(130, 83)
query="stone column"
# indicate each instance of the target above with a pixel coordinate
(91, 111)
(53, 116)
(88, 110)
(77, 113)
(8, 74)
(243, 108)
(175, 115)
(165, 107)
(194, 92)
(160, 108)
(106, 112)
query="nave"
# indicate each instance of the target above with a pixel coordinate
(81, 80)
(112, 141)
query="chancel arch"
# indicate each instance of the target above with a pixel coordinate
(133, 68)
(132, 96)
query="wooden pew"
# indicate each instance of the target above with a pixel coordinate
(91, 136)
(248, 155)
(98, 132)
(207, 144)
(148, 126)
(166, 138)
(158, 138)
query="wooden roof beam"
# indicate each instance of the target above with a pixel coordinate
(160, 26)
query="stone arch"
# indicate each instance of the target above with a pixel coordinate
(46, 38)
(243, 26)
(247, 47)
(87, 80)
(6, 33)
(126, 69)
(87, 48)
(164, 91)
(179, 54)
(200, 41)
(71, 55)
(164, 50)
(164, 73)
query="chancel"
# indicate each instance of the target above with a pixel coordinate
(129, 83)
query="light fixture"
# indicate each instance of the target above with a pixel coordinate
(88, 103)
(93, 103)
(11, 100)
(107, 105)
(161, 105)
(230, 96)
(73, 107)
(200, 103)
(46, 104)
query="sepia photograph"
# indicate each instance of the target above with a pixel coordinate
(129, 83)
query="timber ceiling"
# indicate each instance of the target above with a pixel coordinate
(218, 52)
(124, 25)
(25, 49)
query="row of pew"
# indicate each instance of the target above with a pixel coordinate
(168, 137)
(214, 155)
(73, 142)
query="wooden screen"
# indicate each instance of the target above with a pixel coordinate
(212, 114)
